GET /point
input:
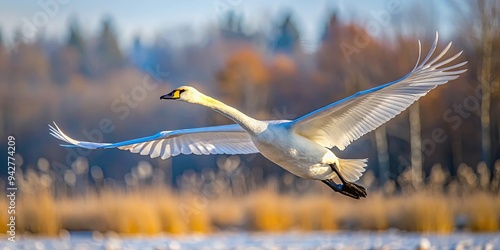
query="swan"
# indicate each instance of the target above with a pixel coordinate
(301, 146)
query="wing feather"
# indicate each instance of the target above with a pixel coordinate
(344, 121)
(226, 139)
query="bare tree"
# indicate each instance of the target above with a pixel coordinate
(424, 26)
(382, 153)
(488, 11)
(416, 145)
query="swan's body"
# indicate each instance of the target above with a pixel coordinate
(295, 153)
(300, 146)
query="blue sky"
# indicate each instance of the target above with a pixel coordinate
(149, 18)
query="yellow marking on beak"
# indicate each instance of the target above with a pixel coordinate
(177, 94)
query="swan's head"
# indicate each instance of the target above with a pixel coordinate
(184, 93)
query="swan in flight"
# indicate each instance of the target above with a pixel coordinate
(301, 146)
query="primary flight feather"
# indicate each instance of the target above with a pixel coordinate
(301, 146)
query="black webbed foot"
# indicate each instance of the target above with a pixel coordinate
(353, 190)
(350, 189)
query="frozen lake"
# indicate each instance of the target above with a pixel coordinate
(292, 240)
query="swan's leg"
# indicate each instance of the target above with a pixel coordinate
(338, 188)
(349, 187)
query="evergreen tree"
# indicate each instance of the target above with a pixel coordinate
(288, 36)
(75, 38)
(332, 28)
(3, 59)
(232, 26)
(76, 43)
(108, 50)
(1, 40)
(138, 56)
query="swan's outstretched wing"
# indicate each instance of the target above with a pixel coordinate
(226, 139)
(344, 121)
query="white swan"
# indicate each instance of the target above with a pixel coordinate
(300, 146)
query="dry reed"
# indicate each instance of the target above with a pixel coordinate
(149, 208)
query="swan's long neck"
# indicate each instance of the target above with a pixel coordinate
(248, 123)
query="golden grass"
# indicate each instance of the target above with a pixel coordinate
(425, 212)
(152, 209)
(4, 216)
(482, 209)
(269, 211)
(148, 212)
(373, 214)
(38, 214)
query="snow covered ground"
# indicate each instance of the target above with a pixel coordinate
(292, 240)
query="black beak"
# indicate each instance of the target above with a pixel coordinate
(170, 96)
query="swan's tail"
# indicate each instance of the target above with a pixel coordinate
(352, 169)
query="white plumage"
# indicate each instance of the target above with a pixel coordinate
(342, 122)
(226, 139)
(300, 146)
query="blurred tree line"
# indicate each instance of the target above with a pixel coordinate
(88, 80)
